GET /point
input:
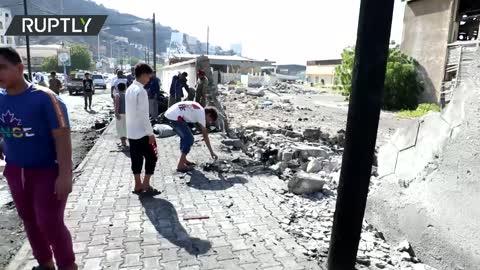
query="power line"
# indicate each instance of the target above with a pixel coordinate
(12, 5)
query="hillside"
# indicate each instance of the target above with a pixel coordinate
(136, 29)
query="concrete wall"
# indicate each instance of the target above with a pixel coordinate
(166, 74)
(427, 27)
(315, 74)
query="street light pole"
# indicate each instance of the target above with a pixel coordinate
(154, 46)
(27, 41)
(371, 53)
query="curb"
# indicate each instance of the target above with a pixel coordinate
(18, 261)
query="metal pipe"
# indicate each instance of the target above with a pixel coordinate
(368, 79)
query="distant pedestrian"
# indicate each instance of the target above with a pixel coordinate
(171, 99)
(40, 80)
(55, 84)
(180, 116)
(38, 150)
(153, 90)
(202, 88)
(143, 145)
(88, 91)
(120, 78)
(120, 114)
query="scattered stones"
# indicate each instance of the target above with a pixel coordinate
(315, 166)
(305, 183)
(235, 143)
(312, 134)
(255, 92)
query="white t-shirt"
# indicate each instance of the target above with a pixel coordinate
(136, 111)
(188, 111)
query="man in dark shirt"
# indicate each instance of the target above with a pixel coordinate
(54, 83)
(153, 90)
(88, 91)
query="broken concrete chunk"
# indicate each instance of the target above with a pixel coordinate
(304, 152)
(240, 90)
(236, 143)
(312, 134)
(314, 166)
(305, 183)
(256, 92)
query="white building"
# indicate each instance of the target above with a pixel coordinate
(5, 20)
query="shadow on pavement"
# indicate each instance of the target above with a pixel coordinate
(164, 217)
(198, 180)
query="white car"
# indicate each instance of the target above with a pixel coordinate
(99, 81)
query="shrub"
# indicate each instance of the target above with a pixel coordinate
(421, 110)
(402, 82)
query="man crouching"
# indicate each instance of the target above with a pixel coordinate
(188, 112)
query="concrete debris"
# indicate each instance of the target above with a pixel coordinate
(235, 143)
(315, 166)
(305, 183)
(255, 92)
(312, 134)
(240, 90)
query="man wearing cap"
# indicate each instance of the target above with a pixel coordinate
(202, 88)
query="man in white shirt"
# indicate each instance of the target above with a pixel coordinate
(118, 79)
(140, 134)
(188, 112)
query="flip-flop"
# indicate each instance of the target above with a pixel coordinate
(151, 191)
(185, 170)
(137, 192)
(191, 163)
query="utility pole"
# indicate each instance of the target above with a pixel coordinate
(371, 53)
(27, 41)
(208, 39)
(154, 46)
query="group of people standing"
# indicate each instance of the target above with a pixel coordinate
(179, 83)
(136, 104)
(35, 129)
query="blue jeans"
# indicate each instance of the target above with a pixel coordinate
(185, 134)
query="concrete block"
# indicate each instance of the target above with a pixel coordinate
(305, 151)
(406, 137)
(305, 183)
(387, 159)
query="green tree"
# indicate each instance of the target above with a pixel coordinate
(50, 64)
(402, 82)
(80, 57)
(134, 61)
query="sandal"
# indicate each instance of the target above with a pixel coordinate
(137, 192)
(191, 163)
(185, 170)
(42, 268)
(151, 191)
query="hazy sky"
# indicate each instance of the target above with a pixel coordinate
(284, 31)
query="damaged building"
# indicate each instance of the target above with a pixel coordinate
(437, 33)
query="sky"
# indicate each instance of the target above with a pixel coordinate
(288, 32)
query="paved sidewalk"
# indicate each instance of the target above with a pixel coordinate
(114, 229)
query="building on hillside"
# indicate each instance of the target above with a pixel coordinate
(322, 71)
(38, 53)
(435, 34)
(5, 20)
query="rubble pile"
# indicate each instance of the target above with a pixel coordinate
(309, 161)
(285, 88)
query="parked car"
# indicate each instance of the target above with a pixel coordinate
(75, 84)
(99, 81)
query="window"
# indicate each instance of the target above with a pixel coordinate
(1, 25)
(2, 39)
(8, 40)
